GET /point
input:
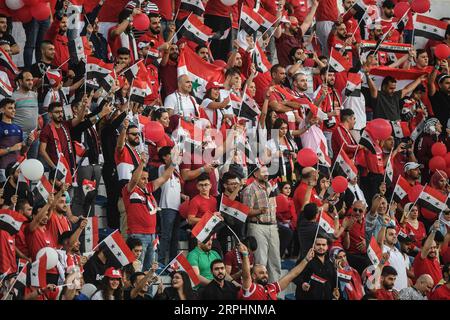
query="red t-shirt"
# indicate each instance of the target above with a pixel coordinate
(299, 194)
(259, 292)
(231, 259)
(440, 293)
(286, 210)
(21, 243)
(327, 11)
(217, 8)
(357, 232)
(111, 9)
(427, 265)
(7, 253)
(419, 233)
(47, 137)
(168, 77)
(141, 210)
(383, 294)
(301, 9)
(56, 226)
(284, 45)
(199, 205)
(38, 239)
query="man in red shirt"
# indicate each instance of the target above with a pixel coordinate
(121, 35)
(168, 69)
(57, 34)
(255, 284)
(442, 292)
(387, 280)
(140, 207)
(341, 136)
(327, 14)
(306, 192)
(203, 202)
(427, 262)
(58, 223)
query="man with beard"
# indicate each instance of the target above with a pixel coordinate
(387, 21)
(154, 35)
(121, 35)
(255, 281)
(58, 223)
(318, 280)
(23, 207)
(168, 69)
(57, 34)
(219, 288)
(340, 40)
(440, 97)
(200, 259)
(70, 255)
(202, 51)
(384, 287)
(427, 262)
(140, 282)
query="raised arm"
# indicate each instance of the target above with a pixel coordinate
(410, 87)
(137, 173)
(295, 272)
(429, 242)
(309, 18)
(122, 137)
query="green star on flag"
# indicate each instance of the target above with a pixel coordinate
(195, 85)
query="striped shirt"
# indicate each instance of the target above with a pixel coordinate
(26, 110)
(256, 197)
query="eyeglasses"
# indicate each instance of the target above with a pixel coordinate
(358, 210)
(446, 212)
(204, 185)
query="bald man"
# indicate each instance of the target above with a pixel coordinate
(419, 291)
(181, 102)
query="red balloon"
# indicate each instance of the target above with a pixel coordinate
(439, 149)
(141, 22)
(421, 6)
(447, 171)
(30, 3)
(380, 129)
(306, 157)
(23, 14)
(415, 193)
(339, 184)
(447, 159)
(400, 9)
(442, 51)
(41, 11)
(437, 163)
(153, 131)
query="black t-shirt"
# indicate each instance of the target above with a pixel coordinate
(387, 106)
(214, 292)
(440, 103)
(38, 70)
(7, 38)
(94, 271)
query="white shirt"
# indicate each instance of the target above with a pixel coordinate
(224, 93)
(398, 262)
(170, 191)
(358, 106)
(181, 104)
(99, 296)
(210, 112)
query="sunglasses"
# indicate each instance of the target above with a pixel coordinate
(358, 210)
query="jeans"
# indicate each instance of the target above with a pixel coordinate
(35, 32)
(148, 256)
(170, 225)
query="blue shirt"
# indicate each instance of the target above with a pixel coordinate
(10, 134)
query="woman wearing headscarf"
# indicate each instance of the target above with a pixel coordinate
(438, 183)
(411, 224)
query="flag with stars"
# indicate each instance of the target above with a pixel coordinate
(73, 12)
(429, 28)
(400, 129)
(346, 164)
(63, 170)
(97, 68)
(338, 62)
(42, 190)
(432, 200)
(262, 64)
(322, 154)
(139, 91)
(7, 62)
(418, 130)
(38, 272)
(89, 238)
(194, 6)
(117, 250)
(374, 252)
(199, 71)
(234, 208)
(76, 50)
(401, 190)
(250, 20)
(11, 221)
(344, 275)
(326, 222)
(88, 186)
(267, 18)
(204, 228)
(21, 282)
(403, 76)
(107, 81)
(249, 108)
(180, 263)
(194, 30)
(353, 86)
(274, 190)
(367, 141)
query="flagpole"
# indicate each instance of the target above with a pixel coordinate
(417, 199)
(239, 240)
(334, 164)
(385, 35)
(393, 191)
(3, 187)
(359, 23)
(318, 227)
(385, 172)
(171, 39)
(239, 23)
(14, 282)
(104, 240)
(176, 15)
(168, 265)
(260, 37)
(63, 64)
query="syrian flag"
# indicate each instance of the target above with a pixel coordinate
(63, 170)
(180, 263)
(374, 252)
(21, 280)
(317, 278)
(136, 71)
(6, 61)
(353, 86)
(106, 82)
(38, 272)
(389, 172)
(235, 103)
(88, 186)
(418, 130)
(250, 20)
(347, 165)
(268, 20)
(203, 229)
(262, 64)
(249, 108)
(96, 68)
(361, 6)
(400, 129)
(326, 223)
(308, 105)
(76, 50)
(90, 235)
(274, 191)
(403, 76)
(221, 34)
(139, 91)
(9, 224)
(194, 6)
(53, 76)
(21, 263)
(189, 133)
(194, 30)
(344, 275)
(322, 154)
(430, 28)
(42, 190)
(118, 250)
(338, 62)
(401, 190)
(367, 142)
(432, 200)
(234, 208)
(74, 10)
(5, 89)
(199, 71)
(80, 151)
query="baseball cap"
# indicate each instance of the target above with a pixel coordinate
(411, 166)
(213, 85)
(113, 273)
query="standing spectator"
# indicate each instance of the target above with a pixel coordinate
(233, 258)
(121, 35)
(286, 217)
(5, 37)
(342, 135)
(440, 98)
(57, 34)
(203, 202)
(305, 192)
(327, 14)
(168, 69)
(219, 288)
(419, 291)
(181, 102)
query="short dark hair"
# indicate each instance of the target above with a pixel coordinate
(54, 105)
(20, 75)
(123, 50)
(64, 236)
(346, 114)
(200, 47)
(387, 80)
(157, 114)
(251, 243)
(326, 70)
(388, 4)
(3, 16)
(310, 211)
(123, 15)
(388, 271)
(275, 68)
(229, 175)
(132, 126)
(134, 276)
(45, 43)
(214, 262)
(21, 203)
(133, 242)
(292, 53)
(202, 177)
(164, 151)
(420, 89)
(231, 72)
(420, 51)
(6, 101)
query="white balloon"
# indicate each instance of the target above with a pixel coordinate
(32, 169)
(229, 2)
(52, 257)
(14, 4)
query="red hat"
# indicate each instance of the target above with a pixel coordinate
(113, 273)
(213, 85)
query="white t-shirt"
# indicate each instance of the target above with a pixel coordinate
(210, 112)
(170, 191)
(398, 262)
(99, 296)
(223, 95)
(181, 104)
(358, 106)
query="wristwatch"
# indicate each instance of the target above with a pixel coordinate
(8, 149)
(129, 19)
